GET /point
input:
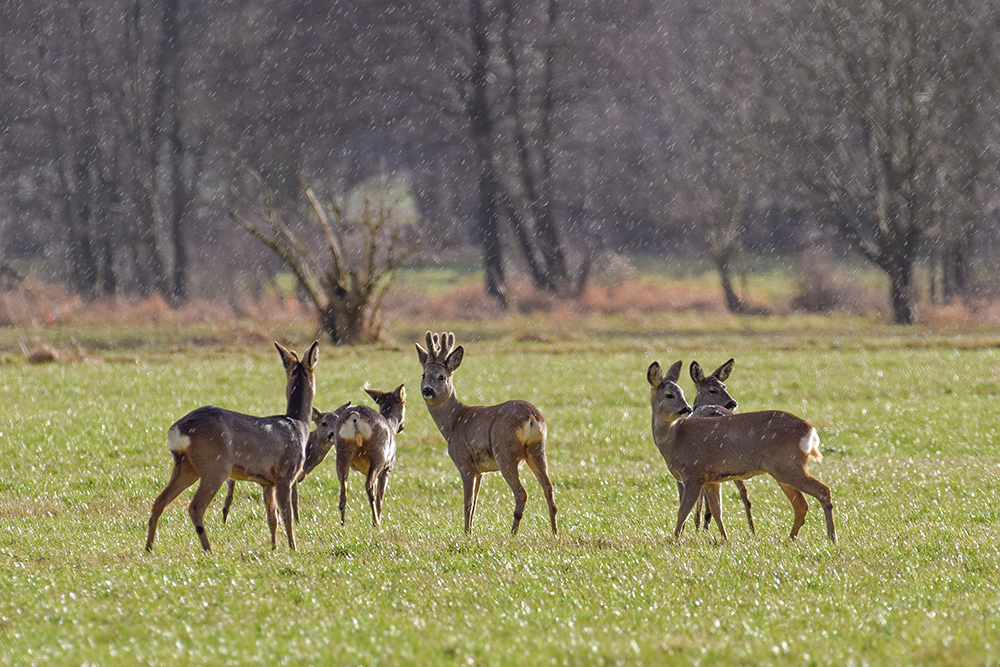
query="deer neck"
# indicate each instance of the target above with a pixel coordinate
(300, 398)
(664, 433)
(316, 451)
(448, 414)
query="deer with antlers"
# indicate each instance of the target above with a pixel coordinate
(702, 452)
(213, 444)
(366, 441)
(483, 439)
(712, 399)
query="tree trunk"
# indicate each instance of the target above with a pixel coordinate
(734, 303)
(901, 291)
(342, 319)
(481, 122)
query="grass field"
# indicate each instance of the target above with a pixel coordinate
(907, 418)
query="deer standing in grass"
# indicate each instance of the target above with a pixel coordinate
(318, 445)
(366, 441)
(213, 444)
(702, 452)
(483, 439)
(712, 399)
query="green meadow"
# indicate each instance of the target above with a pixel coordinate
(911, 440)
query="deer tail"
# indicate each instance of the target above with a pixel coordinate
(810, 444)
(355, 428)
(531, 432)
(177, 441)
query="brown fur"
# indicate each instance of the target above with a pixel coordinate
(366, 441)
(212, 444)
(317, 447)
(712, 399)
(702, 452)
(483, 439)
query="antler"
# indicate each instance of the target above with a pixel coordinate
(439, 346)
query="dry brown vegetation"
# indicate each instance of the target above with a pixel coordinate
(34, 306)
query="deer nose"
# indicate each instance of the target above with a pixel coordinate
(428, 392)
(685, 411)
(731, 405)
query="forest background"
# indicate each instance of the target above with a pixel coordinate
(547, 146)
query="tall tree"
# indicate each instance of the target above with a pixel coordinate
(855, 107)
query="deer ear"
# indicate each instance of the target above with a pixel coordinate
(454, 359)
(288, 358)
(421, 354)
(375, 394)
(316, 414)
(674, 372)
(312, 354)
(401, 392)
(697, 375)
(723, 371)
(654, 374)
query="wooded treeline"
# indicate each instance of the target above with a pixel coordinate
(542, 133)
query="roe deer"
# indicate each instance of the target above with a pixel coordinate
(701, 452)
(213, 445)
(712, 399)
(483, 438)
(317, 447)
(366, 441)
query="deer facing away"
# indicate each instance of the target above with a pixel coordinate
(712, 399)
(366, 441)
(483, 439)
(703, 452)
(318, 445)
(213, 444)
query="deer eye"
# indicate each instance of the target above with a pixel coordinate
(669, 395)
(441, 378)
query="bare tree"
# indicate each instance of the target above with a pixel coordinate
(344, 275)
(855, 106)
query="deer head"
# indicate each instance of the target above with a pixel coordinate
(712, 390)
(667, 397)
(391, 405)
(440, 360)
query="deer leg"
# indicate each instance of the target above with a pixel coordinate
(689, 497)
(370, 482)
(746, 502)
(806, 483)
(475, 496)
(470, 489)
(207, 489)
(509, 471)
(713, 495)
(799, 506)
(182, 477)
(697, 511)
(229, 499)
(271, 510)
(295, 501)
(283, 490)
(343, 467)
(383, 484)
(536, 461)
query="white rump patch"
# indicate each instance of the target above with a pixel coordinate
(177, 441)
(810, 444)
(353, 426)
(530, 432)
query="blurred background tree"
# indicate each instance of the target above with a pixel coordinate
(538, 135)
